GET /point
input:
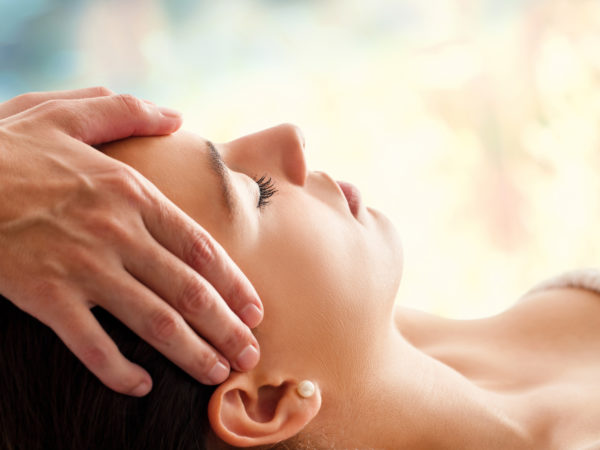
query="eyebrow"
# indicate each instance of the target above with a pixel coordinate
(224, 181)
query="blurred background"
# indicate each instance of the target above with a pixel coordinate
(473, 124)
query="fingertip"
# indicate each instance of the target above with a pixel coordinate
(218, 373)
(171, 118)
(143, 388)
(251, 315)
(169, 113)
(109, 118)
(248, 358)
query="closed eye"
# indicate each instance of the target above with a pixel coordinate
(266, 189)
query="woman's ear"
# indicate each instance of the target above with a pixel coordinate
(245, 412)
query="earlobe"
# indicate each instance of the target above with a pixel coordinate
(246, 413)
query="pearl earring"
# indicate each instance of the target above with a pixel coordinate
(306, 389)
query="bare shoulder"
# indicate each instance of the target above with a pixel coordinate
(543, 349)
(545, 315)
(567, 316)
(546, 349)
(548, 334)
(564, 297)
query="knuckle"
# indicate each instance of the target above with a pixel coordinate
(131, 103)
(45, 288)
(93, 356)
(110, 228)
(237, 292)
(83, 262)
(122, 173)
(164, 325)
(55, 104)
(63, 112)
(25, 101)
(126, 183)
(195, 297)
(202, 251)
(237, 337)
(204, 361)
(46, 296)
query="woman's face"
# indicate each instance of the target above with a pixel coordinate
(327, 277)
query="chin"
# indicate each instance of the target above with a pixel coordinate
(387, 257)
(390, 236)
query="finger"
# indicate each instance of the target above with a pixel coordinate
(82, 334)
(193, 245)
(29, 100)
(164, 329)
(196, 300)
(104, 119)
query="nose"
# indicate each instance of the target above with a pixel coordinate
(290, 147)
(278, 150)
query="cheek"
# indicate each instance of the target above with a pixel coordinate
(327, 255)
(319, 285)
(320, 250)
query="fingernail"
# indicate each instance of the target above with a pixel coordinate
(247, 358)
(218, 373)
(251, 315)
(168, 112)
(141, 389)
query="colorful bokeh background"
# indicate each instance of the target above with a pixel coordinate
(474, 124)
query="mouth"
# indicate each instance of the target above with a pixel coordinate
(352, 195)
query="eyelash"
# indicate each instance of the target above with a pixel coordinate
(266, 189)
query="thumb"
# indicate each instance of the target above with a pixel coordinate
(103, 119)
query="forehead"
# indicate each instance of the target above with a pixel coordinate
(180, 166)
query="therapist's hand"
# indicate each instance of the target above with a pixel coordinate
(76, 228)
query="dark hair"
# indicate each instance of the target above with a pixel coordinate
(50, 400)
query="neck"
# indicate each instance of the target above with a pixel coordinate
(415, 401)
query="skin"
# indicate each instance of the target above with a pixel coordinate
(385, 376)
(76, 230)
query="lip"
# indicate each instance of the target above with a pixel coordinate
(352, 195)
